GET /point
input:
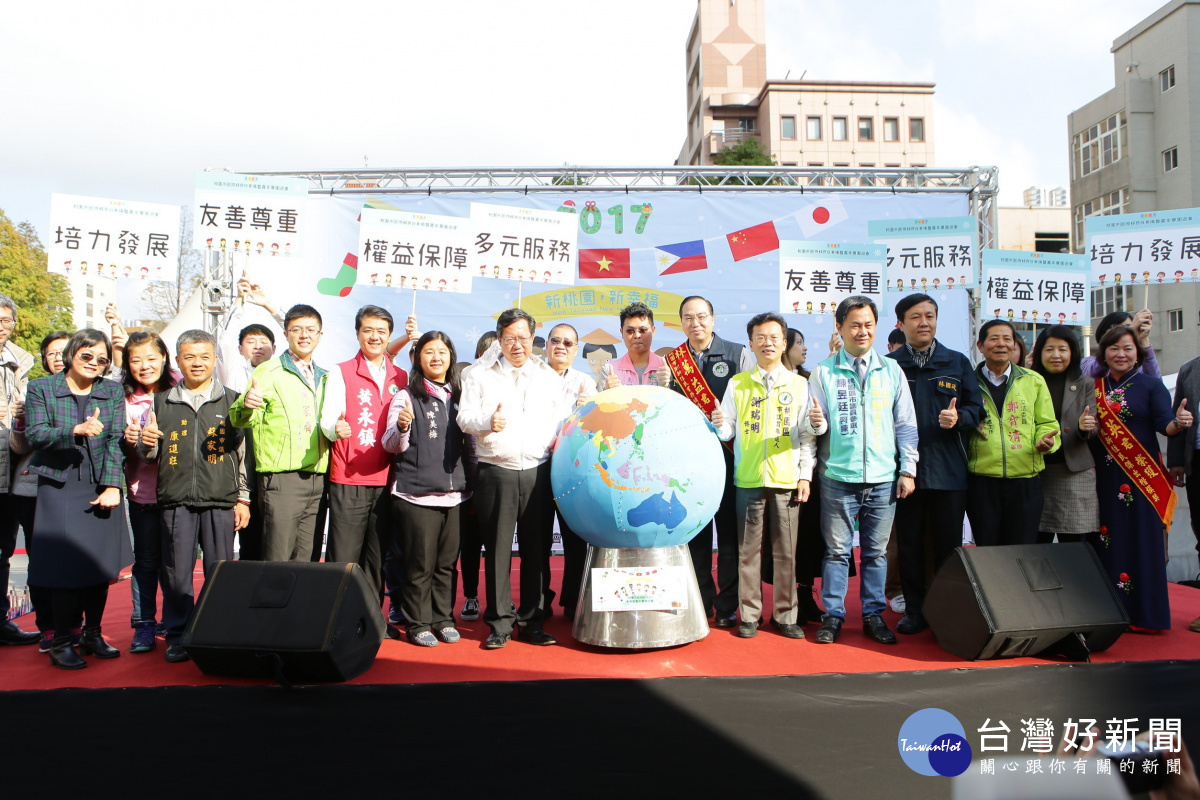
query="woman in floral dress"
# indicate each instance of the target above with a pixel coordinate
(1136, 497)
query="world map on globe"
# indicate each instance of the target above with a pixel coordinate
(637, 466)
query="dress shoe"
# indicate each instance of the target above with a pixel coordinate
(63, 655)
(747, 630)
(807, 609)
(1195, 626)
(535, 636)
(791, 630)
(93, 643)
(11, 634)
(877, 629)
(175, 653)
(830, 628)
(496, 640)
(912, 623)
(725, 620)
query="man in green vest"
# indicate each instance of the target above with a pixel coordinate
(767, 413)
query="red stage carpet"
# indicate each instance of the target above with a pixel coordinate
(721, 654)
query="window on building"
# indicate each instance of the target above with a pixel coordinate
(867, 166)
(836, 164)
(787, 127)
(813, 129)
(1170, 159)
(816, 163)
(89, 291)
(1166, 78)
(1112, 203)
(916, 129)
(1098, 146)
(866, 129)
(891, 129)
(1175, 317)
(789, 163)
(89, 309)
(892, 166)
(840, 130)
(1110, 299)
(919, 166)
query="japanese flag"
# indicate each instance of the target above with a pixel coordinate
(815, 219)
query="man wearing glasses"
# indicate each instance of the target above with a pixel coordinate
(578, 386)
(639, 366)
(512, 402)
(700, 369)
(14, 376)
(282, 408)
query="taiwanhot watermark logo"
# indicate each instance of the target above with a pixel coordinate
(933, 742)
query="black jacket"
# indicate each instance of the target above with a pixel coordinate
(948, 374)
(200, 453)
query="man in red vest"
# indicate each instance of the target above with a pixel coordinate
(353, 416)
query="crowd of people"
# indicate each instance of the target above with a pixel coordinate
(122, 456)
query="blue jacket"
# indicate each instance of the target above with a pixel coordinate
(947, 375)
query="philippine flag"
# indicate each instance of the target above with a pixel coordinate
(683, 257)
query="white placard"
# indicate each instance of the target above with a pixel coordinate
(113, 238)
(265, 213)
(639, 588)
(927, 255)
(405, 250)
(1150, 248)
(815, 276)
(522, 244)
(1042, 288)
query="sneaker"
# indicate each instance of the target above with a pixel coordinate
(423, 639)
(143, 638)
(47, 639)
(448, 634)
(897, 604)
(396, 616)
(470, 610)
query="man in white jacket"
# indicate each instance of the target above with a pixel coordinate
(511, 402)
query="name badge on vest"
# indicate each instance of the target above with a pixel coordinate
(393, 389)
(720, 369)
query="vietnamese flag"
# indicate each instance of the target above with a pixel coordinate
(755, 241)
(604, 263)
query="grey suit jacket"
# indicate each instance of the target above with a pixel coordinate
(1187, 384)
(1077, 395)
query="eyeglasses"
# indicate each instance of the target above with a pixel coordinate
(7, 322)
(687, 319)
(760, 339)
(560, 340)
(509, 341)
(302, 331)
(54, 355)
(636, 331)
(88, 358)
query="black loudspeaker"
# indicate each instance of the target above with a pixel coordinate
(295, 622)
(1020, 600)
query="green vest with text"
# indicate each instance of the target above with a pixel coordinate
(766, 454)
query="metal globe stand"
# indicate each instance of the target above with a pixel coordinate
(640, 628)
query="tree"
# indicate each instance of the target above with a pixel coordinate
(748, 152)
(163, 299)
(43, 300)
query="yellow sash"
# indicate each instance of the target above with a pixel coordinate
(1144, 470)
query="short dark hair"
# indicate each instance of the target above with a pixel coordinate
(485, 341)
(47, 340)
(140, 339)
(636, 310)
(991, 323)
(416, 377)
(301, 311)
(1022, 348)
(254, 329)
(1068, 336)
(692, 297)
(851, 303)
(510, 316)
(896, 336)
(574, 332)
(195, 336)
(1113, 335)
(81, 339)
(1110, 319)
(763, 319)
(588, 347)
(911, 300)
(374, 311)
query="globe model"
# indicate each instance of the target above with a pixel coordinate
(638, 466)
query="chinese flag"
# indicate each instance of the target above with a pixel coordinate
(609, 263)
(755, 241)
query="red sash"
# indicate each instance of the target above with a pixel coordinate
(687, 374)
(1144, 470)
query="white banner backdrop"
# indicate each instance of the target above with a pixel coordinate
(113, 238)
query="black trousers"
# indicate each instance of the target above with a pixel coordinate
(508, 499)
(574, 556)
(1193, 496)
(17, 513)
(723, 594)
(71, 607)
(319, 527)
(182, 529)
(430, 540)
(360, 529)
(938, 512)
(250, 538)
(1003, 510)
(471, 547)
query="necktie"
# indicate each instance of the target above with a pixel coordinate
(860, 367)
(768, 380)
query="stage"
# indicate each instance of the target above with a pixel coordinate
(721, 715)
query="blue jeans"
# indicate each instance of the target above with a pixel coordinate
(146, 523)
(874, 505)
